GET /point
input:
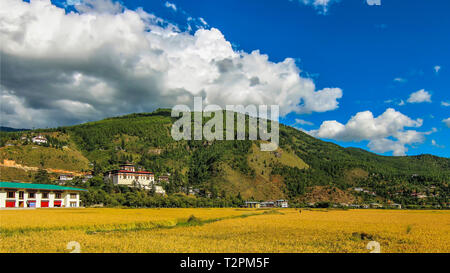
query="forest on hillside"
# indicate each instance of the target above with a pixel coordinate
(226, 172)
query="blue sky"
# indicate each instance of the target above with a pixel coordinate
(358, 47)
(377, 55)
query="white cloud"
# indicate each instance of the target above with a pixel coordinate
(402, 80)
(445, 103)
(171, 6)
(302, 122)
(203, 21)
(434, 143)
(373, 2)
(447, 122)
(384, 133)
(96, 6)
(115, 61)
(419, 96)
(437, 68)
(321, 5)
(73, 2)
(384, 145)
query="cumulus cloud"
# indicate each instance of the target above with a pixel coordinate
(323, 5)
(203, 21)
(171, 6)
(434, 143)
(385, 133)
(437, 68)
(445, 103)
(402, 80)
(447, 122)
(373, 2)
(420, 96)
(320, 5)
(302, 122)
(97, 6)
(107, 60)
(415, 97)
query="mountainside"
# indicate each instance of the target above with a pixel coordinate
(303, 169)
(9, 129)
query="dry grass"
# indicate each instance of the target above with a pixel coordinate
(15, 174)
(34, 155)
(223, 230)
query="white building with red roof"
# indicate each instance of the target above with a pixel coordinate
(39, 139)
(128, 175)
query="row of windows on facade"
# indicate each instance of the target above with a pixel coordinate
(137, 177)
(31, 195)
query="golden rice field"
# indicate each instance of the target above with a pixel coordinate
(223, 230)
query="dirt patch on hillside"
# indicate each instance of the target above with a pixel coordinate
(259, 187)
(327, 194)
(12, 164)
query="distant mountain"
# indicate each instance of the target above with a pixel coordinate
(304, 169)
(9, 129)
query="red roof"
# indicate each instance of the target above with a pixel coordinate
(137, 172)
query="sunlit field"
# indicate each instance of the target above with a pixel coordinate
(223, 230)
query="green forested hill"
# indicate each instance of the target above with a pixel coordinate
(219, 169)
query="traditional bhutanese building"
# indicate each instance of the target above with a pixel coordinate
(30, 195)
(39, 139)
(128, 175)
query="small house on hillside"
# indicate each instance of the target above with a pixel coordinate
(281, 203)
(65, 177)
(375, 205)
(163, 178)
(267, 204)
(39, 139)
(395, 206)
(87, 177)
(252, 204)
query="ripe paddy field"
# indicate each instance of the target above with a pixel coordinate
(223, 230)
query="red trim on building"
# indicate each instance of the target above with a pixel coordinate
(44, 204)
(124, 171)
(31, 203)
(10, 204)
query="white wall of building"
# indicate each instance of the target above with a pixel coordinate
(38, 199)
(130, 179)
(2, 199)
(66, 198)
